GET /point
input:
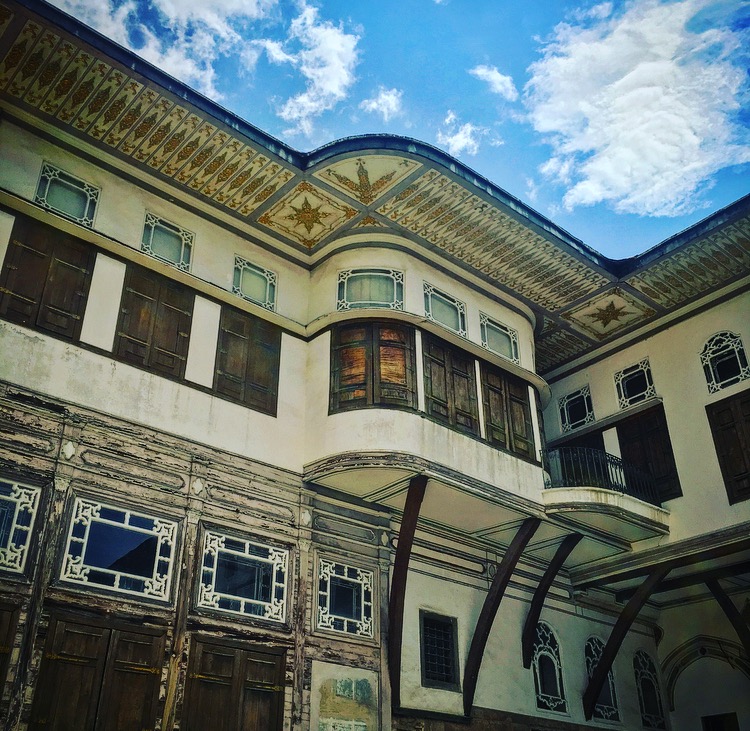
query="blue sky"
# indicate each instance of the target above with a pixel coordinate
(623, 122)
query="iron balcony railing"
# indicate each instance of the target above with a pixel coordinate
(584, 467)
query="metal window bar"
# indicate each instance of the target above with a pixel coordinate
(586, 467)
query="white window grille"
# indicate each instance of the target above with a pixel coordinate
(499, 338)
(243, 577)
(724, 361)
(360, 288)
(634, 384)
(649, 695)
(67, 195)
(167, 241)
(18, 508)
(120, 550)
(606, 704)
(576, 409)
(548, 680)
(345, 598)
(444, 309)
(254, 283)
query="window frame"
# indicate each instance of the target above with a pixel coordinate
(215, 541)
(485, 322)
(373, 384)
(722, 344)
(430, 291)
(563, 406)
(623, 400)
(325, 620)
(344, 303)
(49, 173)
(592, 655)
(241, 264)
(187, 239)
(645, 669)
(27, 499)
(728, 453)
(75, 572)
(547, 645)
(455, 683)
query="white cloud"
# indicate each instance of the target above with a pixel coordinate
(458, 138)
(639, 107)
(185, 38)
(326, 58)
(387, 103)
(498, 83)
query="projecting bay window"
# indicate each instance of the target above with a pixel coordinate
(372, 365)
(45, 279)
(450, 385)
(247, 361)
(507, 413)
(154, 324)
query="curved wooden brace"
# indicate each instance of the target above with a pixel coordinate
(414, 497)
(733, 614)
(626, 618)
(529, 629)
(490, 607)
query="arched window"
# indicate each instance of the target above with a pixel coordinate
(649, 695)
(548, 681)
(606, 703)
(724, 361)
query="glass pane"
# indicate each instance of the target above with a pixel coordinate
(548, 676)
(392, 365)
(726, 366)
(353, 365)
(66, 197)
(345, 598)
(363, 290)
(499, 341)
(577, 411)
(445, 312)
(651, 704)
(166, 244)
(253, 285)
(7, 511)
(243, 577)
(636, 384)
(119, 549)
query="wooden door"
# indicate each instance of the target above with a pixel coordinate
(98, 678)
(233, 688)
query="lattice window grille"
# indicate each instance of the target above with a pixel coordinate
(361, 581)
(546, 646)
(18, 508)
(81, 565)
(593, 654)
(491, 330)
(634, 384)
(246, 275)
(444, 309)
(167, 242)
(276, 560)
(576, 409)
(68, 195)
(652, 711)
(724, 361)
(391, 283)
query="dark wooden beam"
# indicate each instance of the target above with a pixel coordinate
(490, 607)
(733, 614)
(414, 497)
(681, 582)
(624, 621)
(529, 628)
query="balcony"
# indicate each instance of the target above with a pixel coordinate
(584, 467)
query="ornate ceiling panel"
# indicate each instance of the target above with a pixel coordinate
(408, 189)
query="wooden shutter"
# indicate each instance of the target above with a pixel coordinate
(522, 432)
(463, 381)
(351, 367)
(393, 372)
(8, 623)
(70, 678)
(645, 444)
(132, 677)
(495, 408)
(45, 279)
(730, 427)
(154, 327)
(233, 689)
(436, 379)
(248, 358)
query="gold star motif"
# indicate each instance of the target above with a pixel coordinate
(307, 215)
(608, 314)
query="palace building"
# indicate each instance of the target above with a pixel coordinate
(351, 440)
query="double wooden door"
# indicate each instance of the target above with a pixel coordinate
(98, 678)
